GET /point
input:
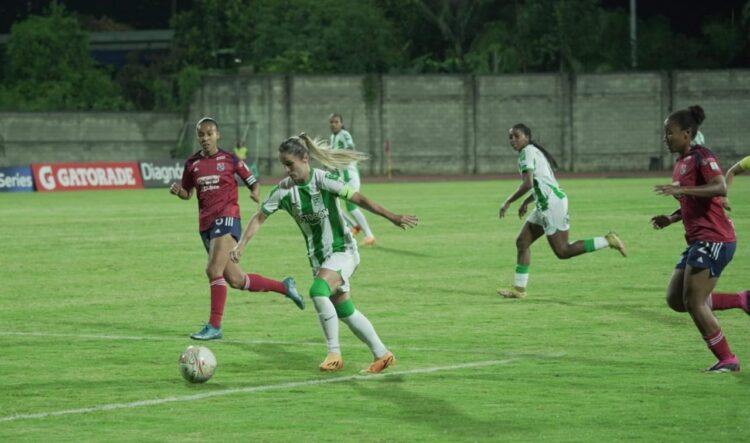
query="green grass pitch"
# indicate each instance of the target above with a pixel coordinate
(99, 291)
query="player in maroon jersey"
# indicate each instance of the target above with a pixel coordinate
(211, 172)
(699, 185)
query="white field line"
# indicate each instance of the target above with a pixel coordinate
(106, 337)
(278, 386)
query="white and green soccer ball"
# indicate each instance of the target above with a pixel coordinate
(197, 364)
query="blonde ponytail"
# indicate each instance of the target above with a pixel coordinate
(319, 150)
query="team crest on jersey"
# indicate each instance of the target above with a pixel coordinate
(317, 200)
(683, 169)
(220, 167)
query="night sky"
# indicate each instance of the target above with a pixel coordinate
(684, 15)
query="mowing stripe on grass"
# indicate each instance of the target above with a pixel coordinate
(463, 350)
(145, 338)
(278, 386)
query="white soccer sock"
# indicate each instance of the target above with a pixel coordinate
(521, 280)
(363, 329)
(329, 322)
(600, 243)
(361, 221)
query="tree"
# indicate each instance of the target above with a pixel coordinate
(73, 82)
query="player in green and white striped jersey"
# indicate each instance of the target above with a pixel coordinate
(550, 217)
(341, 139)
(311, 197)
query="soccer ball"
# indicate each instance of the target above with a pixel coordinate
(197, 364)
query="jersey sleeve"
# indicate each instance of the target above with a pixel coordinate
(188, 181)
(709, 167)
(348, 141)
(745, 163)
(272, 203)
(331, 182)
(241, 169)
(526, 160)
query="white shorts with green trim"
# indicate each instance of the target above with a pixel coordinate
(343, 263)
(554, 218)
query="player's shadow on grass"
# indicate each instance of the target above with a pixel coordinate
(651, 313)
(385, 249)
(432, 411)
(272, 355)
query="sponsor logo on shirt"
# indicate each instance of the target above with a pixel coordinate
(312, 219)
(208, 182)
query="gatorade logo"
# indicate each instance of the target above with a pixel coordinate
(80, 176)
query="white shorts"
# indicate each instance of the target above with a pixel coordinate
(554, 218)
(343, 263)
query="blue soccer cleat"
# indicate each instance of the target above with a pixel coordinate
(291, 292)
(207, 333)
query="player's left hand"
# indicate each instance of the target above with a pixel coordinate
(522, 209)
(236, 253)
(405, 221)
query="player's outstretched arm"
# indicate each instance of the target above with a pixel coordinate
(403, 221)
(252, 228)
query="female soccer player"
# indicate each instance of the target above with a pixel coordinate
(341, 139)
(698, 184)
(550, 217)
(311, 197)
(211, 171)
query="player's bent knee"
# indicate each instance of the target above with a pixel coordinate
(234, 282)
(562, 253)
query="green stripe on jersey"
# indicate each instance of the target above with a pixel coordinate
(314, 205)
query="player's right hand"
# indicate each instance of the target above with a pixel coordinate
(660, 221)
(503, 210)
(175, 189)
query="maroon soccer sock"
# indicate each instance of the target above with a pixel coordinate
(218, 299)
(722, 300)
(258, 283)
(717, 343)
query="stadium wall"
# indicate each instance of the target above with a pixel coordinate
(433, 124)
(452, 124)
(33, 137)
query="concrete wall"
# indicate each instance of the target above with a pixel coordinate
(452, 124)
(83, 136)
(435, 124)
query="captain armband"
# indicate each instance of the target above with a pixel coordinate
(347, 192)
(250, 181)
(745, 163)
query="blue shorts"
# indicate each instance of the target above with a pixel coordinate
(221, 227)
(706, 254)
